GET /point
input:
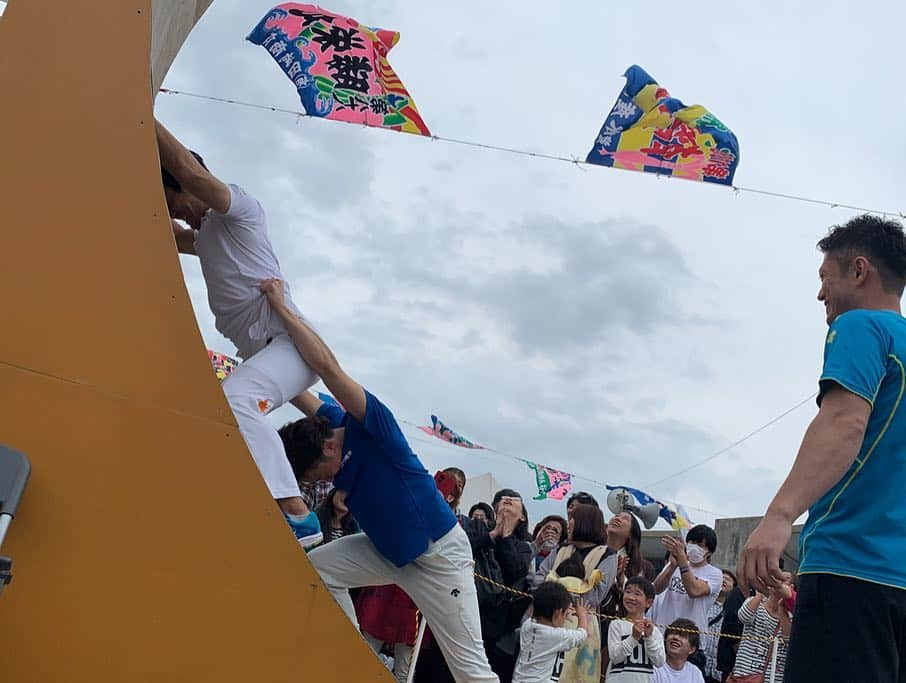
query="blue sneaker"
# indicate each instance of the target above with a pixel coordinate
(307, 529)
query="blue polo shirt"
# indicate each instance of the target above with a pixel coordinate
(858, 528)
(388, 490)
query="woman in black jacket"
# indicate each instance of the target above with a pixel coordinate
(503, 554)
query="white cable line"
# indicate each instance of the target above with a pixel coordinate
(539, 155)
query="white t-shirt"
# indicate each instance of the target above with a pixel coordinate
(631, 660)
(675, 603)
(236, 255)
(688, 674)
(539, 649)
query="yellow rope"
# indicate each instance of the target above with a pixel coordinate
(763, 639)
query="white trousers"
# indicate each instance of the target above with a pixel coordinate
(439, 581)
(402, 655)
(271, 377)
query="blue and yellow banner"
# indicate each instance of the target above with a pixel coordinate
(649, 131)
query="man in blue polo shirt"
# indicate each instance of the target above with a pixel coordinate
(411, 537)
(850, 473)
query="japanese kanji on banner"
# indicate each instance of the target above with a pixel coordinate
(338, 66)
(551, 483)
(223, 364)
(443, 432)
(649, 131)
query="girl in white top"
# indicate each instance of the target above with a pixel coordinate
(543, 639)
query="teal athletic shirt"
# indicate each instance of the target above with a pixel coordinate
(858, 528)
(388, 490)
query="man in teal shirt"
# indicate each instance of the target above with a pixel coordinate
(850, 473)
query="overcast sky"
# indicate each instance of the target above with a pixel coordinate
(611, 324)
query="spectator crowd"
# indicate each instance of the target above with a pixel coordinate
(573, 600)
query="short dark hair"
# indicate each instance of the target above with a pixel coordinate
(685, 628)
(702, 532)
(583, 498)
(646, 569)
(564, 526)
(550, 597)
(644, 584)
(588, 525)
(733, 577)
(881, 240)
(303, 441)
(484, 507)
(571, 566)
(171, 182)
(521, 532)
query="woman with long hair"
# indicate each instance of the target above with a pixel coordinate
(624, 537)
(587, 542)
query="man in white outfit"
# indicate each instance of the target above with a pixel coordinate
(228, 232)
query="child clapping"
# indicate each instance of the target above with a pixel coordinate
(634, 644)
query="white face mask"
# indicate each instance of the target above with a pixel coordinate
(695, 553)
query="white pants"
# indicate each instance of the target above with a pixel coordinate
(271, 377)
(402, 655)
(439, 581)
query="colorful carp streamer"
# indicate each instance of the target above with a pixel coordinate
(674, 515)
(551, 483)
(443, 432)
(339, 67)
(223, 364)
(647, 130)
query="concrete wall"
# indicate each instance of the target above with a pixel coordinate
(731, 537)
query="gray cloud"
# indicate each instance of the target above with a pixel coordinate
(604, 322)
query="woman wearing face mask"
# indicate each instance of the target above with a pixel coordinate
(688, 583)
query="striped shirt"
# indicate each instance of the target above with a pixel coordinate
(709, 643)
(753, 656)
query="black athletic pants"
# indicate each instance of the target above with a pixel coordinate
(847, 631)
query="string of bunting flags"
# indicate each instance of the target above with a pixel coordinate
(551, 483)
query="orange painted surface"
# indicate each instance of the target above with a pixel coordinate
(146, 547)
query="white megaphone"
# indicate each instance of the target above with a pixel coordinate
(620, 500)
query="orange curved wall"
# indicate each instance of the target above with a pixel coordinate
(146, 547)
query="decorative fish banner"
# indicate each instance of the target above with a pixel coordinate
(551, 483)
(649, 131)
(442, 431)
(674, 515)
(339, 67)
(223, 364)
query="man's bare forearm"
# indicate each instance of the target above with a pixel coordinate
(662, 579)
(172, 152)
(831, 444)
(310, 346)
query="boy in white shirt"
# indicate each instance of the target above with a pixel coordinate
(635, 646)
(681, 639)
(542, 638)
